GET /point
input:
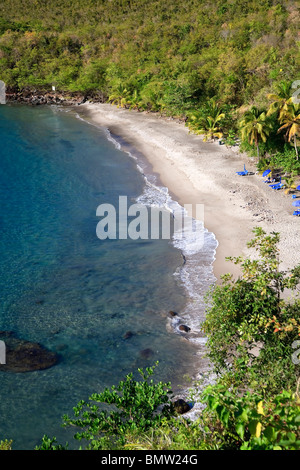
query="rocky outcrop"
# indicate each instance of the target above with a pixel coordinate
(180, 406)
(25, 356)
(37, 97)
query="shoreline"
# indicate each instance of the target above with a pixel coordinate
(197, 172)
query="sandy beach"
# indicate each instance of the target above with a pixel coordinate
(197, 172)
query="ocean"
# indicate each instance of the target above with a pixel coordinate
(102, 305)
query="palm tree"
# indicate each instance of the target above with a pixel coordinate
(213, 109)
(290, 119)
(134, 100)
(255, 126)
(209, 126)
(281, 99)
(119, 95)
(289, 184)
(207, 121)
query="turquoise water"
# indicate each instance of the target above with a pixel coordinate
(63, 287)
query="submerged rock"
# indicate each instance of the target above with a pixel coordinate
(25, 356)
(146, 353)
(128, 335)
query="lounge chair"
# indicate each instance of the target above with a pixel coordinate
(278, 185)
(242, 173)
(296, 213)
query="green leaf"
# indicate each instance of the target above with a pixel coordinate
(270, 433)
(240, 430)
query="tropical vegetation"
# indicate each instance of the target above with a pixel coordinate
(238, 58)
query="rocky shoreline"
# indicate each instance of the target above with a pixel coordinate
(35, 97)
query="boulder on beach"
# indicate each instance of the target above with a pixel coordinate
(25, 356)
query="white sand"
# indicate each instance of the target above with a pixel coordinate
(205, 173)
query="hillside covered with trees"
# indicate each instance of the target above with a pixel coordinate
(159, 55)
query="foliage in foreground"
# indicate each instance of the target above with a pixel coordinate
(249, 315)
(133, 406)
(255, 402)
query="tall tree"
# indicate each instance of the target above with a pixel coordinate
(280, 99)
(208, 120)
(255, 126)
(290, 120)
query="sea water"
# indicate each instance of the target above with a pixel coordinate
(77, 295)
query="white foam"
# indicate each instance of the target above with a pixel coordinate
(197, 245)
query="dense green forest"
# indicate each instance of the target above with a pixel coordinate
(205, 62)
(169, 55)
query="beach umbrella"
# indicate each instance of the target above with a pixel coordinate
(266, 172)
(296, 203)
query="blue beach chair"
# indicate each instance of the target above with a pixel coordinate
(242, 173)
(296, 204)
(278, 185)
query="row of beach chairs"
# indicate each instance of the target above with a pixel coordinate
(276, 184)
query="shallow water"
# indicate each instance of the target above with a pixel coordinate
(63, 287)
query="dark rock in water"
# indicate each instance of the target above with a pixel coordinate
(5, 334)
(146, 353)
(172, 313)
(181, 406)
(184, 328)
(128, 335)
(25, 356)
